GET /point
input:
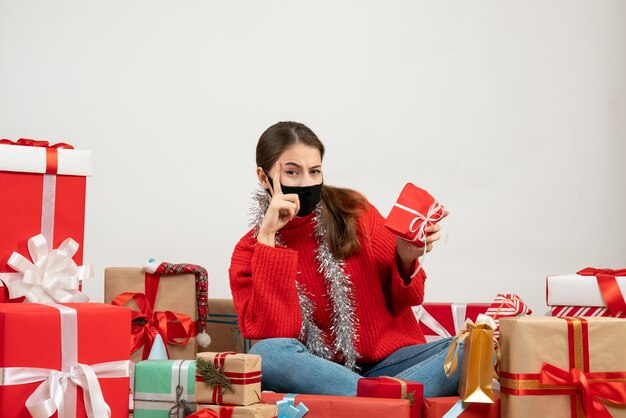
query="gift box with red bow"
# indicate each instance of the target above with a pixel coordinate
(71, 359)
(563, 367)
(44, 188)
(167, 299)
(596, 292)
(394, 388)
(414, 210)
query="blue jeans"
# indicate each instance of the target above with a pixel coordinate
(287, 366)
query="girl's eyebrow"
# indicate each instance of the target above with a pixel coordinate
(299, 166)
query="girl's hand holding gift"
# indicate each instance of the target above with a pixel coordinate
(410, 251)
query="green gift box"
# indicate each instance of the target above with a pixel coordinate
(164, 388)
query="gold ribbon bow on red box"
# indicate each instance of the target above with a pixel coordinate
(608, 287)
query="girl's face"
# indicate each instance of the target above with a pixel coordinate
(300, 165)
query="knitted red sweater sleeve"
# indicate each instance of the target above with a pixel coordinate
(263, 284)
(400, 296)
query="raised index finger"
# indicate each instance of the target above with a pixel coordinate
(276, 178)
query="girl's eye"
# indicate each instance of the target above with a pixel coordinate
(316, 172)
(292, 172)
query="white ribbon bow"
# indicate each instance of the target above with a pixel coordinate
(57, 392)
(49, 397)
(52, 276)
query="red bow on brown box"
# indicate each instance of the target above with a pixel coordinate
(175, 328)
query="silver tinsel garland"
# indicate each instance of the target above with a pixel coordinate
(339, 288)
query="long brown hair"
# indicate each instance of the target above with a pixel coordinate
(340, 207)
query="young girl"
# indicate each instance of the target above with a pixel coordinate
(324, 284)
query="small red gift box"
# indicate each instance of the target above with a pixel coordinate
(444, 320)
(53, 352)
(321, 406)
(394, 388)
(438, 407)
(413, 211)
(46, 184)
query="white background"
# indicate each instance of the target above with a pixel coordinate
(511, 113)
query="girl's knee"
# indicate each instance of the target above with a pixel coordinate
(273, 346)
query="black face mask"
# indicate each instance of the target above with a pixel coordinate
(309, 196)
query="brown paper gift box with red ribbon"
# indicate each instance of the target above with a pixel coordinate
(394, 388)
(240, 374)
(162, 304)
(590, 292)
(259, 410)
(44, 188)
(75, 352)
(563, 367)
(413, 211)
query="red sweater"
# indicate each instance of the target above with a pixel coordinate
(263, 284)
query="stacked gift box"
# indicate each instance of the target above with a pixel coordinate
(590, 292)
(46, 210)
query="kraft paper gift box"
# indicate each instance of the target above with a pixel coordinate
(600, 290)
(439, 407)
(42, 344)
(413, 211)
(174, 293)
(258, 410)
(164, 388)
(444, 320)
(321, 406)
(223, 327)
(563, 367)
(46, 185)
(392, 387)
(228, 378)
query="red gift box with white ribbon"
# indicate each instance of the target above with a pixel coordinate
(44, 193)
(444, 320)
(413, 211)
(62, 360)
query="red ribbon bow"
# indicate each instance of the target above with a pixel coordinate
(171, 325)
(608, 286)
(52, 158)
(204, 413)
(592, 390)
(34, 143)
